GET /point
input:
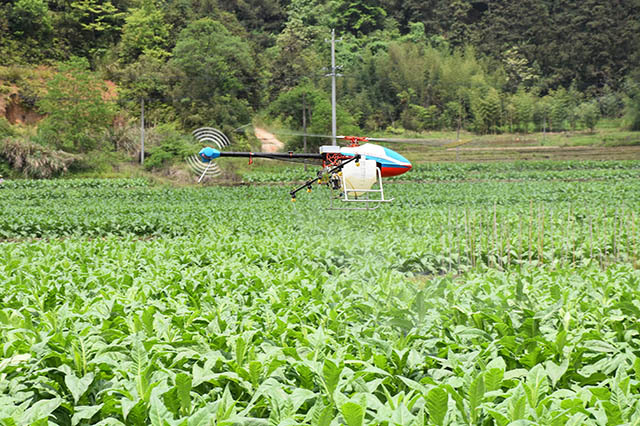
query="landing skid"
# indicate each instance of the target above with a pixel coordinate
(362, 196)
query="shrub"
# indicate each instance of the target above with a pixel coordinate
(35, 161)
(5, 128)
(172, 146)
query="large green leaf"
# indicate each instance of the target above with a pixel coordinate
(41, 410)
(84, 413)
(158, 413)
(353, 413)
(202, 417)
(476, 395)
(536, 385)
(437, 403)
(183, 387)
(493, 379)
(76, 386)
(321, 415)
(555, 372)
(331, 375)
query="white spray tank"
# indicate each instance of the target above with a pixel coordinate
(361, 176)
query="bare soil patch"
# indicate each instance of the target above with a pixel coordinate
(269, 142)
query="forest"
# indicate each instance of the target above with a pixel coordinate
(82, 69)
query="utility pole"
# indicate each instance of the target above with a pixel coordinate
(333, 76)
(304, 127)
(142, 132)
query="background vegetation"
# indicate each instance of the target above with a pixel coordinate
(485, 67)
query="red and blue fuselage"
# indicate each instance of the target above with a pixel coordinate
(389, 162)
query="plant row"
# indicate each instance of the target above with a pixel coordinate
(427, 173)
(262, 328)
(48, 184)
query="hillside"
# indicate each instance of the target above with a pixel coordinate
(480, 67)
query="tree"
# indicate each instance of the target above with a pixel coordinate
(610, 102)
(357, 17)
(597, 52)
(458, 30)
(561, 104)
(151, 78)
(589, 113)
(523, 102)
(452, 114)
(591, 41)
(100, 21)
(217, 75)
(424, 118)
(287, 108)
(632, 101)
(262, 18)
(28, 31)
(519, 71)
(433, 14)
(86, 28)
(575, 98)
(144, 32)
(293, 55)
(487, 109)
(416, 33)
(30, 18)
(77, 113)
(542, 112)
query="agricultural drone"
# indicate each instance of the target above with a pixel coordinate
(354, 173)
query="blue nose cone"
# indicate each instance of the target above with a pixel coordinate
(207, 154)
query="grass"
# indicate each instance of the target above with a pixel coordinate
(603, 136)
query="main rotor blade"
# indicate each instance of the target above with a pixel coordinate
(418, 141)
(294, 133)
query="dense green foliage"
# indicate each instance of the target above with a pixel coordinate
(446, 172)
(632, 101)
(153, 305)
(214, 64)
(77, 114)
(415, 65)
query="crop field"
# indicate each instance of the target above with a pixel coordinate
(486, 294)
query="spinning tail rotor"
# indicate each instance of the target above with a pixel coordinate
(202, 165)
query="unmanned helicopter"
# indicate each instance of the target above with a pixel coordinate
(354, 172)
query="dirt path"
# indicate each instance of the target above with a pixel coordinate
(269, 142)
